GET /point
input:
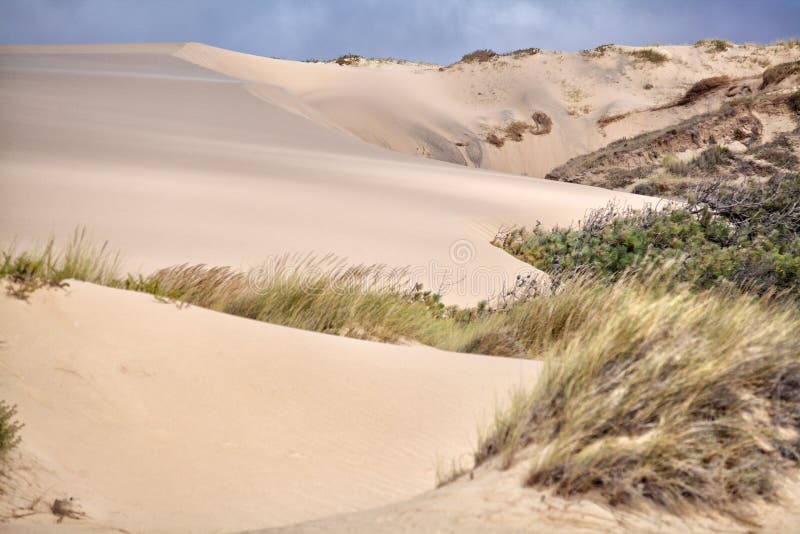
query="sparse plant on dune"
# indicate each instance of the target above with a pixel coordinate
(714, 45)
(776, 74)
(348, 60)
(524, 52)
(479, 56)
(543, 124)
(650, 55)
(496, 140)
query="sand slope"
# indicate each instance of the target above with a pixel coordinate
(172, 162)
(424, 110)
(161, 419)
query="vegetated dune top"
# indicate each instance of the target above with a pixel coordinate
(159, 419)
(174, 162)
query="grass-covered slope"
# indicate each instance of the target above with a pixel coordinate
(672, 396)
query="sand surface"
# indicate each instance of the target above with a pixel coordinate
(173, 162)
(159, 419)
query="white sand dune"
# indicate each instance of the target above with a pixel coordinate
(161, 419)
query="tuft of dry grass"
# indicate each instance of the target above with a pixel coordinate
(650, 55)
(524, 52)
(543, 124)
(702, 88)
(348, 60)
(673, 397)
(495, 140)
(479, 56)
(714, 45)
(776, 74)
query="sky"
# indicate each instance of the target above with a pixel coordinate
(439, 31)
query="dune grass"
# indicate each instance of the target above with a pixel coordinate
(672, 396)
(652, 389)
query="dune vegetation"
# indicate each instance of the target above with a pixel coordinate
(654, 388)
(672, 396)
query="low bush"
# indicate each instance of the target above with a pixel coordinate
(746, 238)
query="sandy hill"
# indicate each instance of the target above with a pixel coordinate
(176, 162)
(159, 419)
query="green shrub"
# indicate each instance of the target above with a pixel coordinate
(747, 238)
(713, 45)
(711, 158)
(9, 428)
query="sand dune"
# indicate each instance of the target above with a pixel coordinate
(161, 419)
(173, 162)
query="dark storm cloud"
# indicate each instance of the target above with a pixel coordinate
(439, 31)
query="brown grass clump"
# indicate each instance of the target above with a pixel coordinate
(701, 88)
(543, 124)
(604, 121)
(714, 45)
(348, 59)
(778, 73)
(672, 397)
(515, 131)
(495, 140)
(479, 56)
(650, 55)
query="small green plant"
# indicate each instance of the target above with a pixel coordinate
(9, 428)
(650, 55)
